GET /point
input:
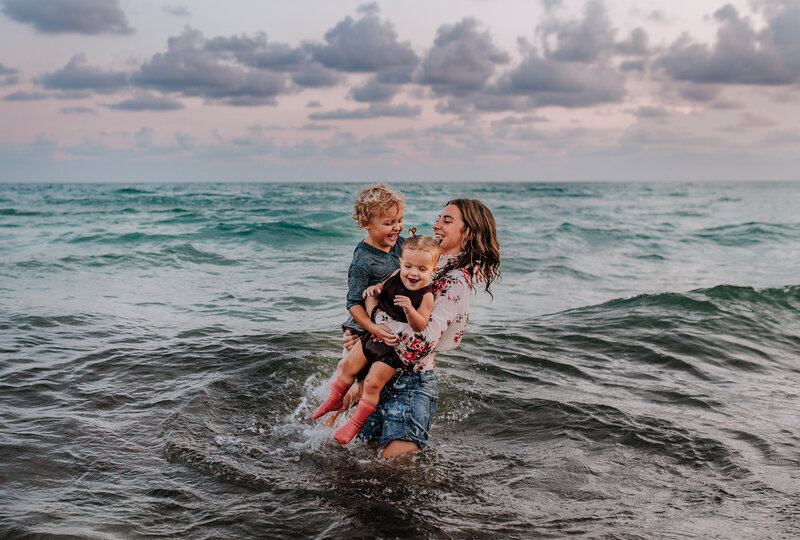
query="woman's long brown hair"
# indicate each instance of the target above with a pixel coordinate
(479, 247)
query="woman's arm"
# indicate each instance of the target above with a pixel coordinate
(417, 318)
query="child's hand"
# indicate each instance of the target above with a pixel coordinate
(375, 290)
(383, 333)
(403, 301)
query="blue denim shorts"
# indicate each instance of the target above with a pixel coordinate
(405, 410)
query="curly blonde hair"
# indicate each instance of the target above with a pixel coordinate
(375, 200)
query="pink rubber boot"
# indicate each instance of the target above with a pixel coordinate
(334, 401)
(346, 433)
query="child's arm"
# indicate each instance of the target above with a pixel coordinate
(377, 289)
(371, 295)
(369, 303)
(417, 318)
(357, 280)
(359, 313)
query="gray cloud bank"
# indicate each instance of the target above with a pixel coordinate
(79, 75)
(566, 62)
(148, 102)
(62, 16)
(7, 70)
(741, 54)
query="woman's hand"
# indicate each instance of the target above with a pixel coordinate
(374, 290)
(349, 340)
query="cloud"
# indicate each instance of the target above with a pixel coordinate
(375, 110)
(633, 65)
(483, 102)
(550, 5)
(518, 132)
(363, 46)
(61, 16)
(449, 129)
(255, 137)
(789, 137)
(700, 93)
(373, 90)
(581, 41)
(740, 55)
(185, 141)
(145, 137)
(7, 70)
(519, 121)
(749, 121)
(635, 45)
(317, 127)
(462, 59)
(566, 84)
(148, 102)
(652, 112)
(573, 68)
(26, 96)
(79, 75)
(78, 110)
(178, 11)
(258, 52)
(315, 75)
(348, 146)
(304, 150)
(191, 69)
(783, 32)
(73, 94)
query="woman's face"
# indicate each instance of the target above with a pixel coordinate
(449, 229)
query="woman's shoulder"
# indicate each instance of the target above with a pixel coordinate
(455, 278)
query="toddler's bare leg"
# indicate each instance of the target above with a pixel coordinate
(352, 364)
(379, 375)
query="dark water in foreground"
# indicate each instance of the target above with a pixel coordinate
(162, 348)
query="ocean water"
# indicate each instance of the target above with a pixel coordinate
(636, 375)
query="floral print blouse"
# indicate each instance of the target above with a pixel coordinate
(452, 293)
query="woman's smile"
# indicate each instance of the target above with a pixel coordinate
(449, 230)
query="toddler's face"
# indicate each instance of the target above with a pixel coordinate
(383, 230)
(416, 268)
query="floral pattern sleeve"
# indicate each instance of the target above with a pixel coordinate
(452, 293)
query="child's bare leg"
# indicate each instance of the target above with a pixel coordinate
(352, 364)
(347, 371)
(379, 375)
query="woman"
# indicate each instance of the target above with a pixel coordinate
(468, 237)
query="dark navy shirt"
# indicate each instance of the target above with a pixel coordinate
(370, 266)
(395, 286)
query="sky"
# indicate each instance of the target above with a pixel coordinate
(399, 91)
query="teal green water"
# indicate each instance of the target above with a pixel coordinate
(636, 374)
